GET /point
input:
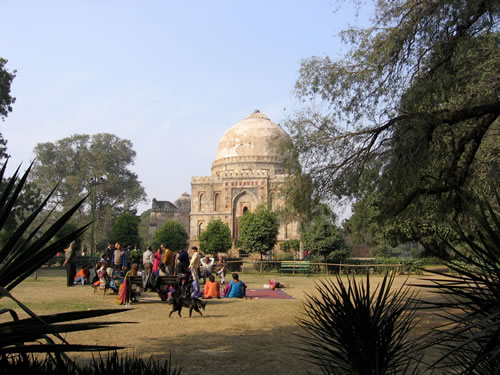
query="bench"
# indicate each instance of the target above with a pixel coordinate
(162, 285)
(295, 266)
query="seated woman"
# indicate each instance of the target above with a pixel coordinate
(82, 277)
(212, 288)
(236, 288)
(117, 275)
(125, 291)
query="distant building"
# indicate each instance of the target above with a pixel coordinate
(246, 173)
(162, 211)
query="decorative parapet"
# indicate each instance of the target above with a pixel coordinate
(163, 206)
(203, 179)
(247, 159)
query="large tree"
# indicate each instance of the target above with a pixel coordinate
(77, 164)
(258, 231)
(125, 229)
(216, 238)
(171, 234)
(417, 98)
(323, 238)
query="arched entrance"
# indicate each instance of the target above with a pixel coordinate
(243, 202)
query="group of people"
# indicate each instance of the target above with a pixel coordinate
(116, 264)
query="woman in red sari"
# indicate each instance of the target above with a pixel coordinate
(157, 261)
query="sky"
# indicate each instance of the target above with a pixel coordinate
(170, 76)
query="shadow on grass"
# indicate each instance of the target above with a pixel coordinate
(232, 351)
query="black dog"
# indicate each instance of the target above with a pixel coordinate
(179, 302)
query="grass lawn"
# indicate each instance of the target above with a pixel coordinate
(248, 336)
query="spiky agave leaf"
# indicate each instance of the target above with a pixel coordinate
(27, 249)
(351, 330)
(470, 340)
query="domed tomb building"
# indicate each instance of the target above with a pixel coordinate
(246, 173)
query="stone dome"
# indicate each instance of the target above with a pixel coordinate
(250, 137)
(183, 203)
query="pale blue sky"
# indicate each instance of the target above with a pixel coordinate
(171, 76)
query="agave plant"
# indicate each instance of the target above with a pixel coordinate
(470, 340)
(27, 249)
(351, 330)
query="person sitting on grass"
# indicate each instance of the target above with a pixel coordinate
(236, 288)
(212, 288)
(82, 277)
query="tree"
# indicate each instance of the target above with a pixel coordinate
(171, 234)
(416, 98)
(216, 238)
(6, 99)
(258, 231)
(125, 229)
(290, 246)
(325, 239)
(74, 161)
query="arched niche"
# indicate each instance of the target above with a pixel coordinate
(243, 202)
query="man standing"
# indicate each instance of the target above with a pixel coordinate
(147, 261)
(168, 259)
(194, 265)
(108, 253)
(119, 259)
(183, 258)
(69, 262)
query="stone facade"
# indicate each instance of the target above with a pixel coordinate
(246, 173)
(162, 211)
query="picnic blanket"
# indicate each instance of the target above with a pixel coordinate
(267, 293)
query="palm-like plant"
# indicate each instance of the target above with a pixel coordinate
(27, 249)
(351, 330)
(471, 338)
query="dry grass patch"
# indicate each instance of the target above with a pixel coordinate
(234, 336)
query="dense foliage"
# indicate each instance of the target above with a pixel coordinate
(77, 163)
(6, 99)
(171, 234)
(324, 238)
(125, 229)
(216, 238)
(258, 231)
(417, 101)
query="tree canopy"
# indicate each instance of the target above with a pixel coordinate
(258, 231)
(323, 238)
(416, 99)
(216, 238)
(76, 163)
(6, 100)
(125, 229)
(171, 234)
